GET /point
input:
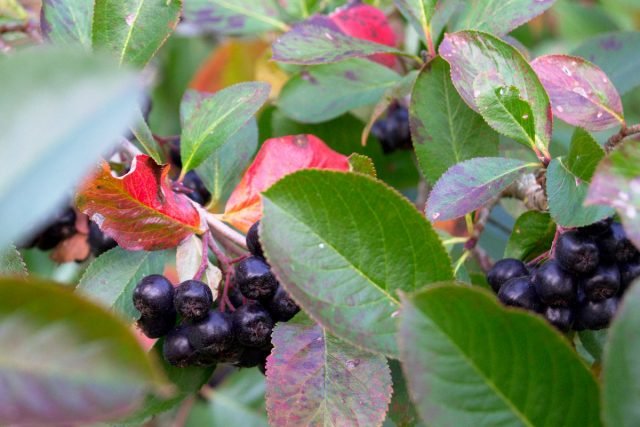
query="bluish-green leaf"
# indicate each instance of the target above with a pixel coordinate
(67, 21)
(234, 17)
(11, 262)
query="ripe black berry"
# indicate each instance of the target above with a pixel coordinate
(255, 279)
(393, 131)
(253, 242)
(193, 299)
(153, 296)
(596, 314)
(629, 271)
(520, 292)
(554, 285)
(176, 348)
(577, 253)
(602, 283)
(253, 325)
(212, 335)
(63, 227)
(505, 270)
(157, 326)
(198, 192)
(560, 317)
(282, 307)
(615, 245)
(251, 357)
(99, 242)
(597, 229)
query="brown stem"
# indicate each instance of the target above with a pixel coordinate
(482, 258)
(529, 188)
(620, 136)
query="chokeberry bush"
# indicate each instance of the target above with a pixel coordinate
(320, 212)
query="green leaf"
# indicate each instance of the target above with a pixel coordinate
(568, 183)
(66, 360)
(532, 235)
(222, 170)
(11, 262)
(361, 82)
(620, 374)
(330, 381)
(594, 342)
(402, 412)
(240, 398)
(509, 114)
(144, 139)
(419, 13)
(360, 163)
(234, 17)
(67, 21)
(210, 120)
(84, 102)
(498, 16)
(345, 273)
(615, 54)
(481, 62)
(468, 185)
(111, 277)
(471, 362)
(134, 30)
(444, 130)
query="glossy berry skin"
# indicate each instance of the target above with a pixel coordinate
(615, 246)
(253, 325)
(577, 253)
(629, 271)
(157, 326)
(602, 283)
(554, 285)
(253, 241)
(98, 241)
(560, 317)
(520, 292)
(596, 315)
(597, 229)
(393, 131)
(251, 357)
(176, 348)
(255, 279)
(505, 270)
(212, 335)
(193, 299)
(281, 306)
(153, 296)
(199, 192)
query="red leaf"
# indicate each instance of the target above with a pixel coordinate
(277, 157)
(368, 23)
(140, 211)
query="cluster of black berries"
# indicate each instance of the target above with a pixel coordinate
(204, 335)
(192, 185)
(63, 227)
(393, 130)
(579, 288)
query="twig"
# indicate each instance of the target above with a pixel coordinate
(530, 189)
(482, 258)
(618, 137)
(15, 27)
(184, 411)
(225, 231)
(204, 261)
(222, 257)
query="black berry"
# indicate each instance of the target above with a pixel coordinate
(197, 191)
(193, 299)
(596, 314)
(63, 227)
(281, 306)
(505, 270)
(554, 285)
(98, 241)
(253, 325)
(629, 271)
(597, 229)
(212, 335)
(157, 326)
(560, 317)
(520, 292)
(577, 253)
(253, 242)
(602, 283)
(615, 246)
(393, 131)
(153, 296)
(255, 279)
(177, 349)
(251, 357)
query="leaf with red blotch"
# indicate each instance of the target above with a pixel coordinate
(139, 210)
(314, 379)
(277, 157)
(581, 93)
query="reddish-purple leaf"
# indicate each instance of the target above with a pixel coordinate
(581, 93)
(481, 63)
(616, 183)
(314, 379)
(470, 184)
(139, 210)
